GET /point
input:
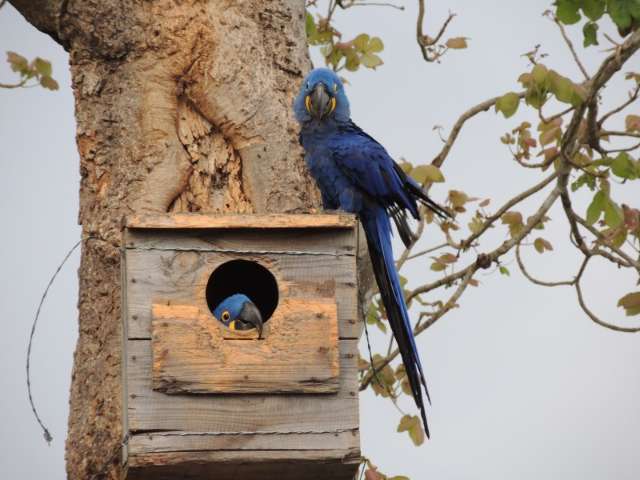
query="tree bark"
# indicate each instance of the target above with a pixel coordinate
(180, 106)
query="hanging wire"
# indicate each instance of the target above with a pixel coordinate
(47, 435)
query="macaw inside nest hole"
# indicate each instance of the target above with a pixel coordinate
(244, 277)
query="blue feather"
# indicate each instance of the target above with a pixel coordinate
(356, 174)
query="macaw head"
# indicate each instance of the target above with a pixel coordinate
(238, 312)
(321, 97)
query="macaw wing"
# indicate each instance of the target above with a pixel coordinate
(370, 168)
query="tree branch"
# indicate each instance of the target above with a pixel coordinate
(424, 41)
(455, 131)
(44, 15)
(572, 49)
(592, 315)
(632, 98)
(465, 244)
(529, 277)
(466, 275)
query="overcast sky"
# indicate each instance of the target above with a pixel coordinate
(523, 384)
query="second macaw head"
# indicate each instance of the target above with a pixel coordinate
(238, 312)
(321, 97)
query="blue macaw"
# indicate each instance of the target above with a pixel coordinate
(238, 312)
(356, 174)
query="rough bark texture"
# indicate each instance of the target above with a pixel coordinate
(180, 106)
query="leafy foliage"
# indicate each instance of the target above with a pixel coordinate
(625, 14)
(571, 146)
(38, 69)
(350, 55)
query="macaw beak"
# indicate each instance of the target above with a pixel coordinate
(250, 317)
(319, 103)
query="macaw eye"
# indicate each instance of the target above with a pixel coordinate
(335, 88)
(226, 315)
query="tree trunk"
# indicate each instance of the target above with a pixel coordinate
(180, 106)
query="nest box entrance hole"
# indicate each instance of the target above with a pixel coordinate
(245, 277)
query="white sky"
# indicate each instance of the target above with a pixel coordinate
(524, 385)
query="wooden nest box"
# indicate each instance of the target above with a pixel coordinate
(204, 401)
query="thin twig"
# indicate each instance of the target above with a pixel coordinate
(534, 280)
(628, 261)
(465, 244)
(455, 131)
(592, 315)
(466, 275)
(14, 85)
(427, 251)
(354, 3)
(632, 98)
(424, 41)
(567, 40)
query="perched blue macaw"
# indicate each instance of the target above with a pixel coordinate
(356, 174)
(238, 312)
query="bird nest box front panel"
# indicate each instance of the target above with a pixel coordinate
(240, 346)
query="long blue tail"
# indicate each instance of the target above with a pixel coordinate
(378, 231)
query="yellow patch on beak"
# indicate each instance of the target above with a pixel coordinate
(232, 325)
(307, 103)
(333, 105)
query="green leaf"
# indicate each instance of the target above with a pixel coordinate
(406, 166)
(631, 303)
(536, 97)
(622, 12)
(508, 104)
(398, 477)
(475, 225)
(375, 45)
(539, 74)
(623, 166)
(17, 61)
(596, 207)
(371, 60)
(562, 88)
(43, 67)
(352, 62)
(541, 245)
(310, 25)
(427, 173)
(504, 271)
(567, 11)
(613, 215)
(590, 32)
(49, 83)
(593, 9)
(412, 424)
(438, 266)
(361, 42)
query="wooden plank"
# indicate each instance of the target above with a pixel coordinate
(180, 277)
(327, 241)
(245, 465)
(160, 442)
(235, 221)
(151, 410)
(298, 353)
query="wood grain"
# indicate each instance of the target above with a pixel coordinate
(162, 442)
(180, 277)
(246, 465)
(326, 413)
(231, 221)
(195, 353)
(225, 404)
